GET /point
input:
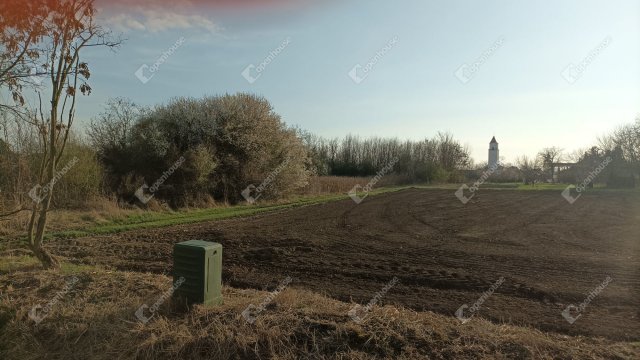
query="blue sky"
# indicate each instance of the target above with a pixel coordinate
(517, 93)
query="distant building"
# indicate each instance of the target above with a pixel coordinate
(494, 153)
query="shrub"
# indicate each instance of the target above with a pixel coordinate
(227, 142)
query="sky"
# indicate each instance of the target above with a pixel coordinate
(533, 74)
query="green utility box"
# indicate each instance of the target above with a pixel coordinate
(197, 271)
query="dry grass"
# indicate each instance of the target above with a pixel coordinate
(96, 320)
(97, 211)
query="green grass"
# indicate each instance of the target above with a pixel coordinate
(72, 269)
(497, 186)
(151, 220)
(542, 186)
(12, 263)
(520, 186)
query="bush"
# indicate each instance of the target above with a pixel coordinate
(221, 145)
(83, 181)
(20, 169)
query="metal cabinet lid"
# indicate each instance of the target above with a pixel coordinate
(199, 244)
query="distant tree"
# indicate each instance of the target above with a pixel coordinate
(627, 139)
(549, 156)
(437, 159)
(110, 134)
(587, 163)
(318, 152)
(113, 126)
(605, 166)
(530, 169)
(575, 155)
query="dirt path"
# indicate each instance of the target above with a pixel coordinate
(445, 254)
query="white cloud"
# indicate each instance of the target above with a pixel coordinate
(157, 20)
(124, 22)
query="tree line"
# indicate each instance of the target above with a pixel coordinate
(427, 160)
(618, 151)
(227, 143)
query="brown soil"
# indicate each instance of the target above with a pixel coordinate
(444, 253)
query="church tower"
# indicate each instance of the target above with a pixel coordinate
(493, 153)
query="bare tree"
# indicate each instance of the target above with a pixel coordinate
(575, 155)
(67, 29)
(627, 138)
(113, 126)
(549, 156)
(530, 169)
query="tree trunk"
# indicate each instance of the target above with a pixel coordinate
(48, 261)
(38, 221)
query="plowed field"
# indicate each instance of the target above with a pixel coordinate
(444, 254)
